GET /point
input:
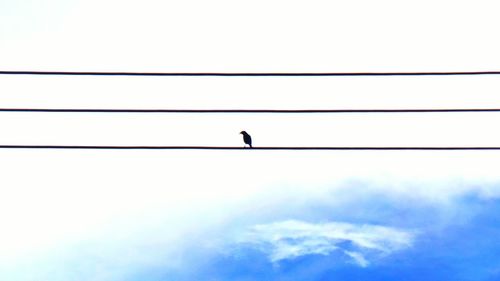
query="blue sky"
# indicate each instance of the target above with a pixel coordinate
(357, 219)
(459, 246)
(249, 215)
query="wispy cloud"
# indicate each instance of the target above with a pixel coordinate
(358, 258)
(290, 239)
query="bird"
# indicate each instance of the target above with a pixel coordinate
(247, 138)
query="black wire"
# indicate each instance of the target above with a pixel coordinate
(93, 73)
(95, 110)
(247, 149)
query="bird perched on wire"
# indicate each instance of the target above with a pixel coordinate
(247, 138)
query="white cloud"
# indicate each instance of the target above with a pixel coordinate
(290, 239)
(358, 258)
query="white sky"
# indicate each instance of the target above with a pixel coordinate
(226, 35)
(52, 199)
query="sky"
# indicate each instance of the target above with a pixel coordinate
(246, 215)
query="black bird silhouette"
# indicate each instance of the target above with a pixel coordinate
(246, 138)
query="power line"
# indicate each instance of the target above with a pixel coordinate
(99, 147)
(248, 74)
(102, 110)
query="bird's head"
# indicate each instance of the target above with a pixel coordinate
(243, 132)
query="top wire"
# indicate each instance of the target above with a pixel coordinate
(249, 74)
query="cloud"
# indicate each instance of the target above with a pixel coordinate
(358, 258)
(289, 239)
(142, 216)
